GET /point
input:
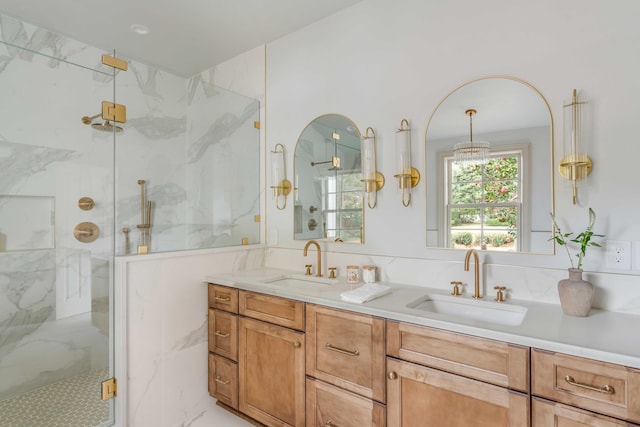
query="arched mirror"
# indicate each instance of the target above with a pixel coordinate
(327, 188)
(489, 157)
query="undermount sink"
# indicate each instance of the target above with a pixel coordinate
(484, 311)
(300, 281)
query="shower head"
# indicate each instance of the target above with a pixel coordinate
(104, 127)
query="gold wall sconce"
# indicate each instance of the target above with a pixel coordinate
(408, 176)
(575, 165)
(279, 183)
(372, 179)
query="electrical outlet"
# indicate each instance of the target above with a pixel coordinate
(618, 254)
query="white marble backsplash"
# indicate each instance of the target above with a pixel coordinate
(614, 292)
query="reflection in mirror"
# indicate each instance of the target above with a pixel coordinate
(327, 187)
(502, 204)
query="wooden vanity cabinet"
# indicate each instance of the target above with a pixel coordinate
(271, 359)
(546, 413)
(594, 386)
(347, 349)
(223, 344)
(442, 378)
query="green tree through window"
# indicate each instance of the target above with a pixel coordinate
(484, 203)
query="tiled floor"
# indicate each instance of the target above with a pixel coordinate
(73, 402)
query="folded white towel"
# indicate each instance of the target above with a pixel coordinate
(365, 293)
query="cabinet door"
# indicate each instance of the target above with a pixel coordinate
(271, 373)
(546, 413)
(346, 349)
(223, 334)
(418, 396)
(223, 380)
(330, 406)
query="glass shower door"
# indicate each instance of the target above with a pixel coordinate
(56, 233)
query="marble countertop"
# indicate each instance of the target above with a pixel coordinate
(603, 335)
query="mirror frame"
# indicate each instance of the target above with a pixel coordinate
(358, 134)
(551, 160)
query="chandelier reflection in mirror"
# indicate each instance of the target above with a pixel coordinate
(471, 152)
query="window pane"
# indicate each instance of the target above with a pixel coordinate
(351, 201)
(466, 193)
(350, 219)
(351, 182)
(505, 191)
(466, 173)
(500, 231)
(505, 167)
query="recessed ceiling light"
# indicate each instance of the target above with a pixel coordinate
(140, 29)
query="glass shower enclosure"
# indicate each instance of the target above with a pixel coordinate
(70, 201)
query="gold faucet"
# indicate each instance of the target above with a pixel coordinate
(313, 242)
(476, 260)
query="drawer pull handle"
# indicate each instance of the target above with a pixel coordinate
(606, 389)
(342, 351)
(330, 424)
(221, 381)
(222, 299)
(222, 334)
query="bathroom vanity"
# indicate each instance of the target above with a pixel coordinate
(304, 357)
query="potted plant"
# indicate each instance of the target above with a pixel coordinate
(576, 294)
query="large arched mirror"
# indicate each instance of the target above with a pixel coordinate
(327, 188)
(500, 201)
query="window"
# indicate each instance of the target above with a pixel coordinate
(343, 206)
(484, 202)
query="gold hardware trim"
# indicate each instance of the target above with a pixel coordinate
(109, 388)
(222, 299)
(245, 241)
(500, 294)
(297, 344)
(114, 112)
(606, 389)
(392, 375)
(86, 232)
(222, 381)
(114, 62)
(256, 125)
(143, 249)
(332, 272)
(86, 203)
(257, 218)
(341, 350)
(456, 288)
(222, 334)
(126, 231)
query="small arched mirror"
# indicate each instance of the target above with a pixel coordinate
(502, 200)
(327, 187)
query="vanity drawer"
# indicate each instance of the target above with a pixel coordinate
(589, 384)
(546, 413)
(328, 405)
(223, 298)
(495, 362)
(223, 334)
(276, 310)
(346, 349)
(223, 380)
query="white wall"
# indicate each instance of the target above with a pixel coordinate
(379, 61)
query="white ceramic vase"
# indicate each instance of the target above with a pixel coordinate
(576, 295)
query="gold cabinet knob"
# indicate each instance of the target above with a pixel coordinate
(392, 375)
(297, 344)
(86, 203)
